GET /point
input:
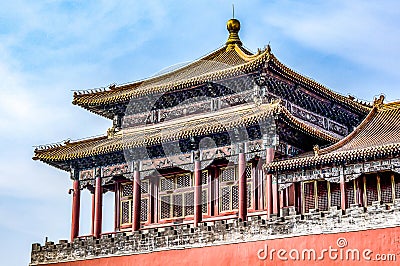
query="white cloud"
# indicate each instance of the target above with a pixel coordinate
(362, 31)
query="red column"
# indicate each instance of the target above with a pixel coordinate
(342, 193)
(269, 188)
(291, 195)
(76, 202)
(98, 206)
(215, 190)
(117, 207)
(275, 197)
(93, 212)
(197, 191)
(136, 200)
(242, 186)
(260, 183)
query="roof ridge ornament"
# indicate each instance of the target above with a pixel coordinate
(316, 150)
(378, 102)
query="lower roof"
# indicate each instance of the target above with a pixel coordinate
(190, 126)
(377, 136)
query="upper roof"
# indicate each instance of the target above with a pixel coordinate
(196, 125)
(228, 61)
(377, 136)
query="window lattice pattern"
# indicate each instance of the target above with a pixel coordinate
(228, 174)
(166, 184)
(372, 191)
(204, 201)
(349, 187)
(249, 195)
(309, 196)
(235, 197)
(165, 207)
(204, 176)
(335, 195)
(189, 203)
(126, 210)
(144, 205)
(225, 198)
(386, 189)
(178, 206)
(397, 186)
(127, 190)
(248, 172)
(322, 191)
(144, 186)
(184, 181)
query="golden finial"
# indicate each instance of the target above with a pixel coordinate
(233, 26)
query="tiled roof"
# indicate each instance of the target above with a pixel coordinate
(378, 135)
(224, 62)
(176, 129)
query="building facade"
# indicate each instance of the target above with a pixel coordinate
(221, 156)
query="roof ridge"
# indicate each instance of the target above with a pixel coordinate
(313, 83)
(310, 129)
(352, 135)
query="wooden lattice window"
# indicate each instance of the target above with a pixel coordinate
(126, 199)
(385, 184)
(249, 195)
(144, 186)
(350, 190)
(176, 196)
(396, 182)
(127, 189)
(204, 201)
(308, 196)
(177, 207)
(165, 207)
(321, 195)
(166, 184)
(250, 187)
(204, 191)
(371, 189)
(144, 209)
(335, 194)
(126, 212)
(235, 198)
(183, 181)
(126, 192)
(144, 201)
(229, 189)
(189, 203)
(204, 177)
(228, 174)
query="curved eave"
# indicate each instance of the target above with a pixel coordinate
(356, 155)
(286, 71)
(139, 89)
(334, 154)
(157, 134)
(306, 128)
(198, 125)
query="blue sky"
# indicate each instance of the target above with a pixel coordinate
(49, 48)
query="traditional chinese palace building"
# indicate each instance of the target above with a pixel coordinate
(227, 158)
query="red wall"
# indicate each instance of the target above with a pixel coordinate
(382, 241)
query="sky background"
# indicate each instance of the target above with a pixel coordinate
(49, 48)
